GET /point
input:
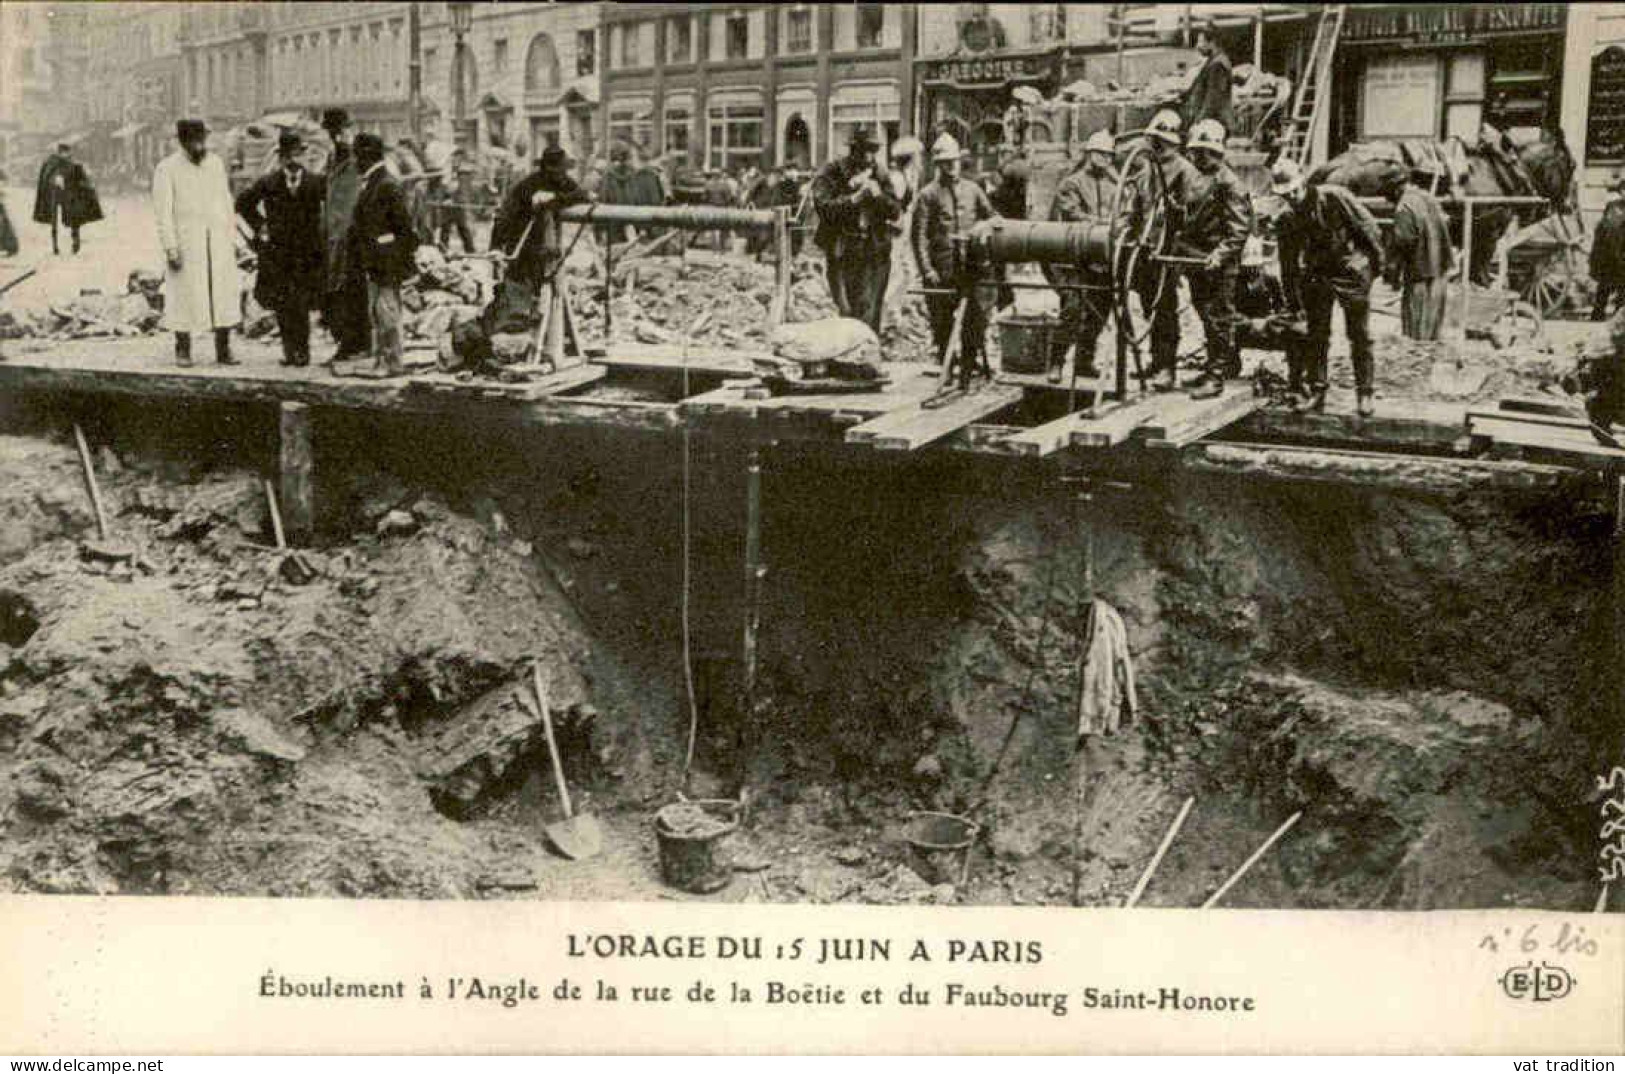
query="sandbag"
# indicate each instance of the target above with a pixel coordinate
(828, 340)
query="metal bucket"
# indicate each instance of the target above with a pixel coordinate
(693, 841)
(941, 844)
(1024, 344)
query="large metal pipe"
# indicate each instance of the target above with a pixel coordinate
(1047, 242)
(682, 217)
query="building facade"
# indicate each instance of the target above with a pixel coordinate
(37, 42)
(530, 74)
(731, 86)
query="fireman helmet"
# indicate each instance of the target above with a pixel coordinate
(1100, 142)
(1207, 134)
(1164, 126)
(1286, 176)
(945, 148)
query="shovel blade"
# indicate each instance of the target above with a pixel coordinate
(577, 837)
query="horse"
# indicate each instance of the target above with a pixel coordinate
(1493, 167)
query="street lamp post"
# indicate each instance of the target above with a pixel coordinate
(462, 18)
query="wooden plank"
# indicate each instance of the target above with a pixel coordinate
(1396, 422)
(1535, 420)
(1543, 405)
(567, 379)
(1110, 428)
(1369, 468)
(1189, 424)
(1050, 437)
(929, 426)
(732, 362)
(1569, 443)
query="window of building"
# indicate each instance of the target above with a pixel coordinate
(586, 52)
(733, 134)
(631, 32)
(879, 108)
(798, 29)
(632, 122)
(871, 25)
(736, 42)
(675, 125)
(1464, 96)
(499, 56)
(1401, 96)
(680, 39)
(541, 65)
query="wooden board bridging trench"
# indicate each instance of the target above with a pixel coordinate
(728, 362)
(1508, 435)
(1185, 420)
(1442, 426)
(916, 426)
(909, 387)
(567, 379)
(1114, 425)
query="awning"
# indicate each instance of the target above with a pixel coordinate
(129, 130)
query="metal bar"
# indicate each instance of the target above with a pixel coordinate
(684, 217)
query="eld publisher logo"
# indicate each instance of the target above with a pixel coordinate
(1547, 982)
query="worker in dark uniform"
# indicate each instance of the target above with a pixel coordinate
(949, 205)
(1217, 218)
(1419, 255)
(1088, 195)
(1330, 251)
(1210, 95)
(856, 203)
(1608, 252)
(1159, 289)
(526, 238)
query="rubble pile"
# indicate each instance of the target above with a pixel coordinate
(93, 313)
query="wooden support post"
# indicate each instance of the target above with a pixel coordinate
(1466, 266)
(609, 276)
(297, 465)
(781, 257)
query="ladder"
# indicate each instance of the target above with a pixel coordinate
(1299, 137)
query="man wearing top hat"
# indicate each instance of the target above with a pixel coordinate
(857, 203)
(284, 209)
(344, 309)
(197, 229)
(65, 196)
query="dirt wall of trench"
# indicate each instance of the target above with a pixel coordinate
(1424, 677)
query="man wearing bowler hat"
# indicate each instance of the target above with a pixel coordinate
(857, 202)
(284, 209)
(197, 229)
(382, 241)
(527, 237)
(344, 309)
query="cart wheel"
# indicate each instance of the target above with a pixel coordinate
(1132, 242)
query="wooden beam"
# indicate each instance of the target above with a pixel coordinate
(1374, 469)
(1187, 422)
(1571, 444)
(922, 427)
(1113, 426)
(296, 464)
(671, 358)
(1050, 437)
(1440, 425)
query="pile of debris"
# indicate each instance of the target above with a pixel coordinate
(93, 313)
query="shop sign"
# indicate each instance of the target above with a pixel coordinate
(987, 71)
(1449, 24)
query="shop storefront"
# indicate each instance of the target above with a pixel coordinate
(875, 106)
(1440, 70)
(734, 119)
(967, 97)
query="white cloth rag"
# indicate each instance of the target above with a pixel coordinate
(1106, 698)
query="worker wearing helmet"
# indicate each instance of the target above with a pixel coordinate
(1161, 304)
(1087, 195)
(1217, 218)
(949, 205)
(1330, 250)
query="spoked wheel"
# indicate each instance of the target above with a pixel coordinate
(1140, 231)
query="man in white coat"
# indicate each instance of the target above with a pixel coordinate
(192, 202)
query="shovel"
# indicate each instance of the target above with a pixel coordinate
(295, 568)
(576, 836)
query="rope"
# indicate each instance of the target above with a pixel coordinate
(687, 530)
